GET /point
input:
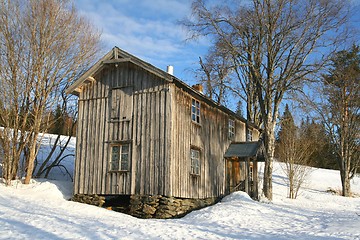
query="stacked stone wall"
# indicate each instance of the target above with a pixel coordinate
(94, 199)
(157, 206)
(165, 207)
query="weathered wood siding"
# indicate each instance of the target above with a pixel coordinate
(210, 137)
(125, 104)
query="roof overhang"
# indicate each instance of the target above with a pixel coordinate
(243, 150)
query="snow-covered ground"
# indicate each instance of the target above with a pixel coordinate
(41, 211)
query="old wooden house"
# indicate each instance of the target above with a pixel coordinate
(142, 131)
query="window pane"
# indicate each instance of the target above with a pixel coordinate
(124, 164)
(195, 161)
(115, 154)
(231, 128)
(125, 157)
(125, 148)
(115, 165)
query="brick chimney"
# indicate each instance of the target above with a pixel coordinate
(199, 88)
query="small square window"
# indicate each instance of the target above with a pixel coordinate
(195, 162)
(195, 111)
(231, 129)
(120, 157)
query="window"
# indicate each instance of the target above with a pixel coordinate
(251, 173)
(249, 135)
(195, 162)
(231, 129)
(195, 111)
(120, 157)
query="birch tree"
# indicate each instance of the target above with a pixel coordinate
(44, 45)
(276, 44)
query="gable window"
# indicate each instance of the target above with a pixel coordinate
(231, 129)
(120, 157)
(195, 111)
(195, 162)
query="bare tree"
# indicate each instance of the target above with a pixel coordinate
(44, 45)
(214, 74)
(294, 148)
(273, 42)
(339, 110)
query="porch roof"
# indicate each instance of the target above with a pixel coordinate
(246, 149)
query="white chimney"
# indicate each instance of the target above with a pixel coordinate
(170, 69)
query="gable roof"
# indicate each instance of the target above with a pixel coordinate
(117, 56)
(246, 149)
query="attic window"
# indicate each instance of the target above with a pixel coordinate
(231, 129)
(120, 157)
(195, 111)
(195, 162)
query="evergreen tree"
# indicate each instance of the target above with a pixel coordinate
(294, 148)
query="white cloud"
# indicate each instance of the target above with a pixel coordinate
(147, 29)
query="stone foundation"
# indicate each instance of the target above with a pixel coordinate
(89, 199)
(165, 207)
(150, 206)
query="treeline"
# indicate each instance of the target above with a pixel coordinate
(57, 121)
(61, 122)
(320, 152)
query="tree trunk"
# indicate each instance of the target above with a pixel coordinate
(291, 182)
(31, 160)
(269, 141)
(345, 180)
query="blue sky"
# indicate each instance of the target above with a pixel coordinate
(148, 29)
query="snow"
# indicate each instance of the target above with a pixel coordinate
(40, 210)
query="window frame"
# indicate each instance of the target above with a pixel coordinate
(120, 162)
(251, 172)
(195, 111)
(195, 162)
(231, 129)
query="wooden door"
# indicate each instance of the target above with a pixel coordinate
(233, 176)
(122, 113)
